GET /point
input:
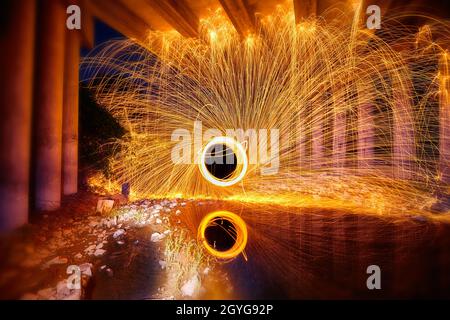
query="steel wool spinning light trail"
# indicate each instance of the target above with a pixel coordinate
(352, 108)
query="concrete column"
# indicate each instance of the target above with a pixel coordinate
(318, 152)
(16, 92)
(70, 113)
(304, 9)
(374, 241)
(302, 143)
(444, 119)
(344, 247)
(49, 105)
(297, 230)
(403, 149)
(321, 249)
(412, 248)
(339, 140)
(366, 137)
(442, 260)
(327, 8)
(305, 262)
(323, 5)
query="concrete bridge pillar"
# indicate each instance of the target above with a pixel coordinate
(302, 141)
(49, 105)
(403, 149)
(444, 119)
(317, 143)
(70, 112)
(339, 140)
(16, 92)
(366, 137)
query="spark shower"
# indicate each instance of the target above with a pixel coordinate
(357, 110)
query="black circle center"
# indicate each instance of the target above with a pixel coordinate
(221, 234)
(220, 161)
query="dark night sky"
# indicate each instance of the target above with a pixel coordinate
(102, 33)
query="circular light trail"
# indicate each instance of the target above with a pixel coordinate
(240, 157)
(231, 226)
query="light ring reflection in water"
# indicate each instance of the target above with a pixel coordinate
(238, 233)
